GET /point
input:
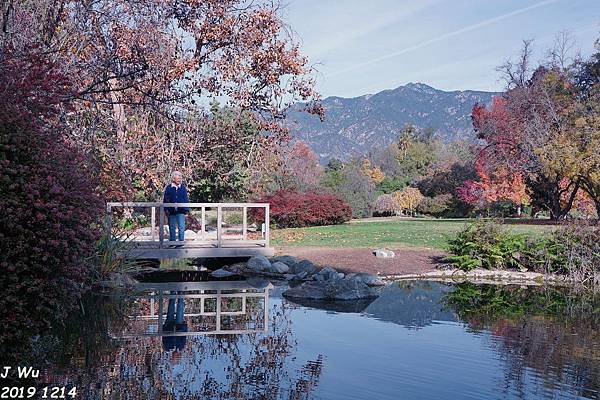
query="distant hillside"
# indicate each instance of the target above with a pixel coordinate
(363, 124)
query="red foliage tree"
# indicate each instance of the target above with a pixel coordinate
(499, 184)
(291, 209)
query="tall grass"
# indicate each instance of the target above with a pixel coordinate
(112, 250)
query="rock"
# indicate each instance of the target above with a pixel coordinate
(258, 283)
(190, 234)
(259, 264)
(327, 274)
(303, 266)
(289, 260)
(301, 276)
(369, 279)
(221, 273)
(280, 267)
(340, 289)
(289, 277)
(383, 253)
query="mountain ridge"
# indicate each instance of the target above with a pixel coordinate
(356, 126)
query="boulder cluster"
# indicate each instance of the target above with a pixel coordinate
(307, 281)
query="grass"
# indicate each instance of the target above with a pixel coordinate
(393, 233)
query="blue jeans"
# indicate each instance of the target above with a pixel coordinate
(175, 316)
(177, 221)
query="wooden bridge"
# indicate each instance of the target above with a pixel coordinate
(210, 235)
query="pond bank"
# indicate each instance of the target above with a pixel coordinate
(411, 264)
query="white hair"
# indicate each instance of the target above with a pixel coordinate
(176, 173)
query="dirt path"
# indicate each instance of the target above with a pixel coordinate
(406, 261)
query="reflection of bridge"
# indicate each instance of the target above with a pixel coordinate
(211, 308)
(212, 237)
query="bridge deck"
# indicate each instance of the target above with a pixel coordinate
(222, 240)
(199, 250)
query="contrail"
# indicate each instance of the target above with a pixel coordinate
(445, 36)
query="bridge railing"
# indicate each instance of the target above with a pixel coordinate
(218, 236)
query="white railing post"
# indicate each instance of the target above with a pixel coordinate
(267, 223)
(161, 230)
(153, 221)
(203, 224)
(244, 222)
(219, 218)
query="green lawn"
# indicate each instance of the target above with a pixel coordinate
(429, 233)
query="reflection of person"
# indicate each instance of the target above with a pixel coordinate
(176, 192)
(175, 322)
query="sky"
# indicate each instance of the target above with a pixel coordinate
(366, 46)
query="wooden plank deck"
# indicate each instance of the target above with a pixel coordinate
(199, 250)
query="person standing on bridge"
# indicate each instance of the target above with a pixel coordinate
(176, 192)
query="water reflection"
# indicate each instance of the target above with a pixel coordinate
(197, 340)
(175, 310)
(241, 339)
(551, 331)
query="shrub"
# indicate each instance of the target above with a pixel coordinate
(486, 244)
(436, 206)
(51, 214)
(290, 209)
(572, 250)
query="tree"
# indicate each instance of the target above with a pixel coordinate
(299, 168)
(416, 152)
(500, 185)
(521, 132)
(352, 185)
(408, 199)
(385, 204)
(140, 69)
(372, 172)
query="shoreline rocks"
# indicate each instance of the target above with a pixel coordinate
(496, 277)
(338, 289)
(310, 282)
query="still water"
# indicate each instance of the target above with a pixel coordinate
(418, 340)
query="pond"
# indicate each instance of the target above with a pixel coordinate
(417, 340)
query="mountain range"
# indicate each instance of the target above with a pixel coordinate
(362, 125)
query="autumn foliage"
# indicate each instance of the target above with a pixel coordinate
(290, 209)
(51, 213)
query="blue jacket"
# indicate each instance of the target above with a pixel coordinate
(174, 195)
